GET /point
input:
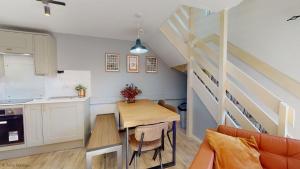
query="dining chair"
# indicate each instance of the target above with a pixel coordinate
(170, 126)
(147, 138)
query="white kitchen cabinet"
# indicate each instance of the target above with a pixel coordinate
(44, 54)
(16, 42)
(33, 125)
(2, 66)
(63, 122)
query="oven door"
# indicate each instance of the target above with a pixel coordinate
(11, 130)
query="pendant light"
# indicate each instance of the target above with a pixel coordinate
(139, 48)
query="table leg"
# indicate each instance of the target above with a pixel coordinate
(119, 158)
(174, 143)
(88, 159)
(127, 149)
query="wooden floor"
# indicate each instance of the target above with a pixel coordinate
(75, 158)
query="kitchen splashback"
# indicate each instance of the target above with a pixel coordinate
(20, 82)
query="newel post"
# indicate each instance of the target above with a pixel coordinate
(283, 119)
(222, 65)
(190, 72)
(190, 99)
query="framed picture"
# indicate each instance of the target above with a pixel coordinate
(112, 62)
(151, 64)
(132, 64)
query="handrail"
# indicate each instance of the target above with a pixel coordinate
(283, 80)
(186, 42)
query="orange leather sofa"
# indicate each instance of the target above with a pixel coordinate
(275, 152)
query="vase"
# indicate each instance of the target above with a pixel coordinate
(81, 93)
(130, 100)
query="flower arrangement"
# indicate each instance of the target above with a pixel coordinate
(129, 92)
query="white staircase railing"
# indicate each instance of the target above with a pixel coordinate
(226, 90)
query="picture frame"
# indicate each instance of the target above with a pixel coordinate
(112, 62)
(151, 64)
(132, 63)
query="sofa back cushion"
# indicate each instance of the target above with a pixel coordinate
(275, 152)
(233, 152)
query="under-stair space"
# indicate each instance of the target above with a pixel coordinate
(226, 84)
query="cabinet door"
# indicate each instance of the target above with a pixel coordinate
(40, 54)
(2, 66)
(34, 125)
(15, 42)
(45, 55)
(62, 122)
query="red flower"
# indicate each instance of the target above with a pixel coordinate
(130, 91)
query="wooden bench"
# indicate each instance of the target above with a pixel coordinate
(104, 139)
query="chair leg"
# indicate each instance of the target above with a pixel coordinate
(135, 161)
(133, 156)
(160, 159)
(155, 154)
(169, 137)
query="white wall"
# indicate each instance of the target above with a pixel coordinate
(88, 53)
(20, 81)
(260, 28)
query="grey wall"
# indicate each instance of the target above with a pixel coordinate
(88, 53)
(201, 118)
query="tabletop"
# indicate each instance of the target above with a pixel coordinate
(144, 112)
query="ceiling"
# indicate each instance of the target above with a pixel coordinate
(100, 18)
(106, 18)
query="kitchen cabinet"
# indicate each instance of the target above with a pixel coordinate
(63, 122)
(16, 42)
(44, 55)
(2, 66)
(41, 46)
(33, 125)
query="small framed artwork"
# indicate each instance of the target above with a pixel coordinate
(112, 62)
(151, 64)
(132, 64)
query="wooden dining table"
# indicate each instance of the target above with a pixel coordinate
(144, 112)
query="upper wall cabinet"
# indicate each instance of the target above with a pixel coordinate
(41, 46)
(15, 42)
(44, 55)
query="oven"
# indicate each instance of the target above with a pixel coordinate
(11, 126)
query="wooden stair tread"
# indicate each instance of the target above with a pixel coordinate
(105, 133)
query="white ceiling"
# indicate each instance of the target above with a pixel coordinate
(105, 18)
(100, 18)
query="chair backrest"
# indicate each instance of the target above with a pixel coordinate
(170, 107)
(161, 102)
(151, 132)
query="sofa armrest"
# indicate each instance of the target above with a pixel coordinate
(204, 158)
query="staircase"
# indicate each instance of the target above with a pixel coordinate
(231, 95)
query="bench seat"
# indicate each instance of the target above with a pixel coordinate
(104, 139)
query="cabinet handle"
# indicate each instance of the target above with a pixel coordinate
(8, 49)
(3, 122)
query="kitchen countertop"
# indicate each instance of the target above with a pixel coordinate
(50, 100)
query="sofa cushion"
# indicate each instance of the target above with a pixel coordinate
(233, 152)
(276, 152)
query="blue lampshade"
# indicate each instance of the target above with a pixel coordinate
(138, 48)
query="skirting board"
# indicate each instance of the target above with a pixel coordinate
(40, 149)
(196, 139)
